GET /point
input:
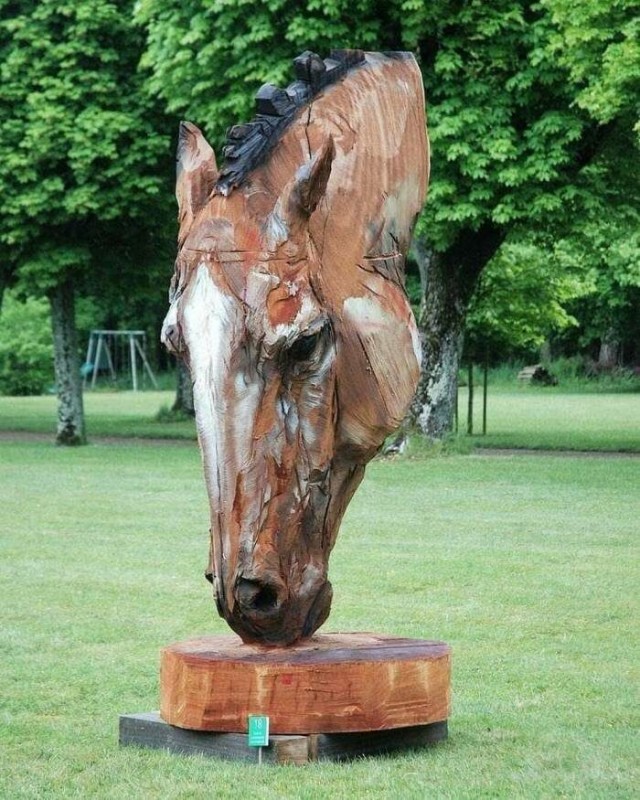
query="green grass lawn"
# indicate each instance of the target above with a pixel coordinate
(124, 414)
(525, 417)
(527, 566)
(550, 418)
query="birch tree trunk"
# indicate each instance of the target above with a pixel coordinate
(71, 428)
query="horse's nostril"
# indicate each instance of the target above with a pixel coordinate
(171, 337)
(257, 596)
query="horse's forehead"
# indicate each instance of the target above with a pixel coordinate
(267, 307)
(269, 291)
(224, 228)
(250, 255)
(245, 228)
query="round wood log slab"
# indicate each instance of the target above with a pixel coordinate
(332, 683)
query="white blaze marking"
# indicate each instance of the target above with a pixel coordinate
(210, 320)
(226, 404)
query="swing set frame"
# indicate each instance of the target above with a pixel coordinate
(99, 343)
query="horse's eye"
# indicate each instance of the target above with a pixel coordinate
(303, 348)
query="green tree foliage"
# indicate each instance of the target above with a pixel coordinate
(502, 120)
(521, 105)
(26, 346)
(80, 150)
(598, 42)
(605, 243)
(521, 300)
(580, 270)
(83, 164)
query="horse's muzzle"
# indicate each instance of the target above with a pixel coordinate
(259, 598)
(263, 611)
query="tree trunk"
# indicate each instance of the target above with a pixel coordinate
(71, 429)
(485, 385)
(441, 323)
(545, 352)
(3, 285)
(448, 281)
(184, 391)
(470, 400)
(608, 355)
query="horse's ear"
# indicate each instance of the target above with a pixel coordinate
(196, 171)
(311, 180)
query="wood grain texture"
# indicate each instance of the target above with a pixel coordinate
(332, 683)
(288, 303)
(150, 731)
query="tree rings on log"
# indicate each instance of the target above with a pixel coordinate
(332, 683)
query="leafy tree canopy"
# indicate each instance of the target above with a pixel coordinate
(599, 44)
(521, 299)
(26, 346)
(509, 119)
(604, 243)
(531, 107)
(80, 145)
(588, 262)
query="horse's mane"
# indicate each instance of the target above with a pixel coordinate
(249, 144)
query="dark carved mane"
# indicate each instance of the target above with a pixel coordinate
(249, 144)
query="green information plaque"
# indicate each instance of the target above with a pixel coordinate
(258, 730)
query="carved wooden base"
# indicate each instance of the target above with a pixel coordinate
(332, 683)
(149, 731)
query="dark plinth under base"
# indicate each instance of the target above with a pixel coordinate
(149, 730)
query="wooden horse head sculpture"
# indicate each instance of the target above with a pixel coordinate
(288, 303)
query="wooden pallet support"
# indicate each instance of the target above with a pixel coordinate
(149, 730)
